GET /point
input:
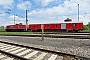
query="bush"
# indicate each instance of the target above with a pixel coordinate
(2, 28)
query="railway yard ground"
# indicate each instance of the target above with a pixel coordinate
(74, 46)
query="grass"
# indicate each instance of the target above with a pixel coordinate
(15, 32)
(85, 31)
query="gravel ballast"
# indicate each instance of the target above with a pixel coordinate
(80, 47)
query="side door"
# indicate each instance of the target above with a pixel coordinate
(63, 25)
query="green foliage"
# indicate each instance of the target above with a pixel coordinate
(2, 28)
(87, 27)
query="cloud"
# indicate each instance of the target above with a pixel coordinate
(17, 19)
(2, 13)
(6, 3)
(69, 9)
(3, 21)
(24, 5)
(43, 13)
(48, 12)
(43, 2)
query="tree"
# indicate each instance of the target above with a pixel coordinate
(2, 28)
(89, 26)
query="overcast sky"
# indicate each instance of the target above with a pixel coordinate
(43, 11)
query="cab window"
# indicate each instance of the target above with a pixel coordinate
(74, 24)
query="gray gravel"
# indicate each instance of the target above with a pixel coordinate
(79, 47)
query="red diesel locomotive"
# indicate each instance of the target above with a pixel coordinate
(65, 26)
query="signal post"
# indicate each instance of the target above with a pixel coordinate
(26, 20)
(42, 27)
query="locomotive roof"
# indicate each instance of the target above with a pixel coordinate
(73, 22)
(61, 22)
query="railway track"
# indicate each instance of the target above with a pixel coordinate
(86, 36)
(6, 57)
(21, 52)
(66, 33)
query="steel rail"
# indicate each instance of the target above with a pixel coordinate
(54, 52)
(50, 36)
